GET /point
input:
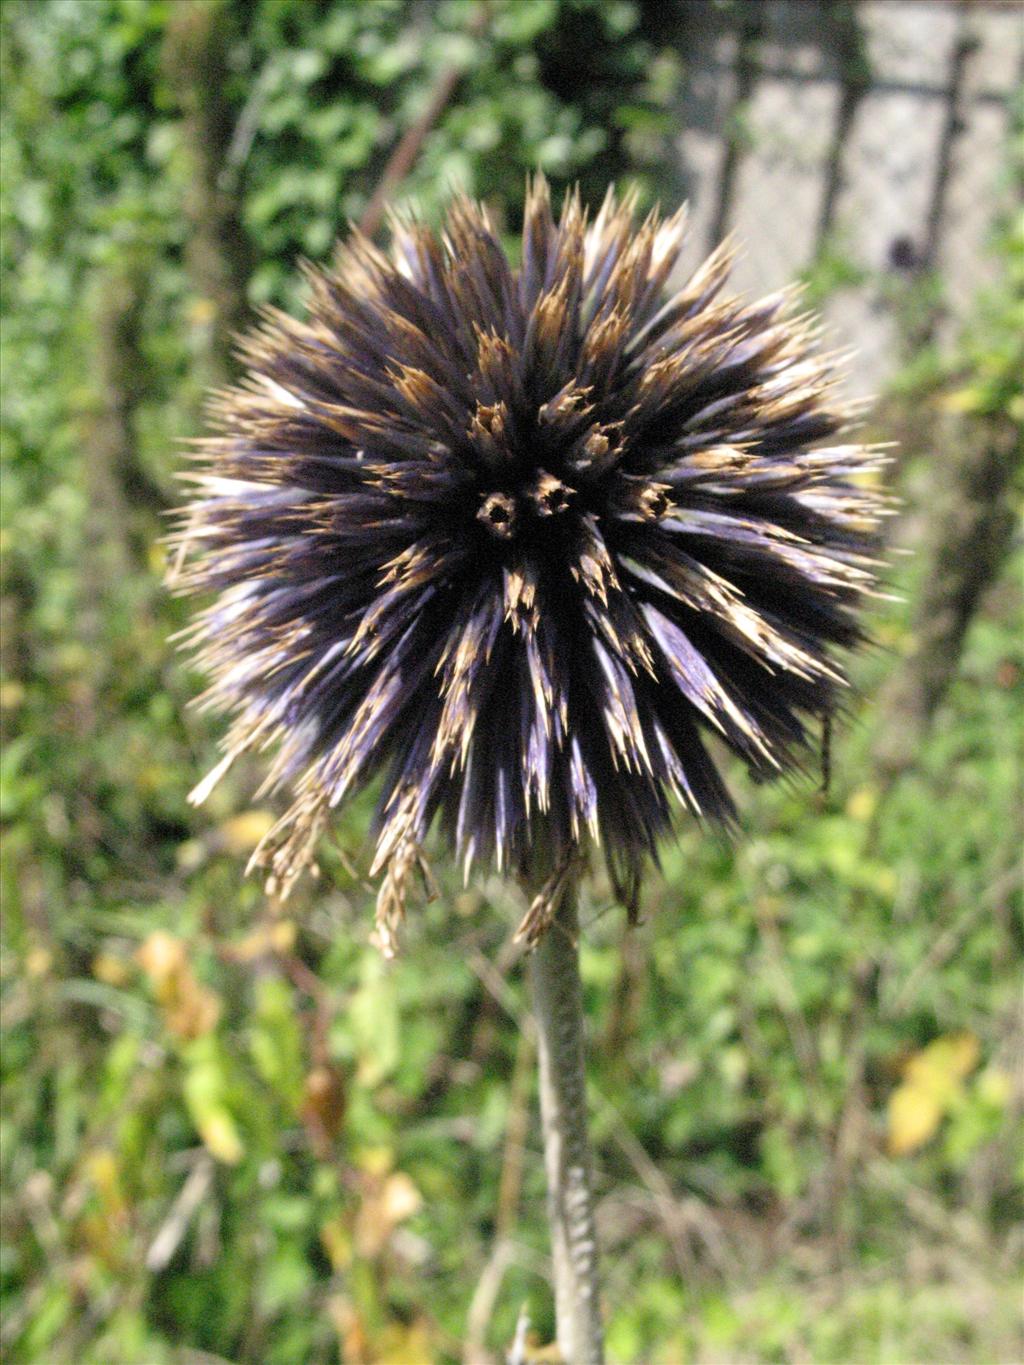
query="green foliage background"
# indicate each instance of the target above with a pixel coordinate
(345, 1122)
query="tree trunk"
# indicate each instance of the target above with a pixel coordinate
(217, 253)
(967, 546)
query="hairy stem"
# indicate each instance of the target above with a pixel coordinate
(558, 1008)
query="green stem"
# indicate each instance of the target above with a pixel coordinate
(558, 1009)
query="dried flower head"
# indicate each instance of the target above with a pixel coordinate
(511, 540)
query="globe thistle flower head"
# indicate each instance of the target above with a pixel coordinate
(512, 542)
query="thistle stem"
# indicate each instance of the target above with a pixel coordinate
(558, 1009)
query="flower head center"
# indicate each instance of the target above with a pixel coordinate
(547, 495)
(499, 515)
(543, 496)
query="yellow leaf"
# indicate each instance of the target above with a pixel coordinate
(253, 946)
(962, 1050)
(243, 832)
(282, 936)
(862, 803)
(400, 1198)
(190, 1009)
(278, 937)
(943, 1064)
(110, 969)
(38, 962)
(12, 694)
(386, 1203)
(190, 854)
(374, 1160)
(161, 956)
(218, 1131)
(933, 1080)
(196, 1010)
(914, 1115)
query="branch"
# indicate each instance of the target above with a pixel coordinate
(403, 158)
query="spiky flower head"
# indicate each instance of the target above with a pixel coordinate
(513, 541)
